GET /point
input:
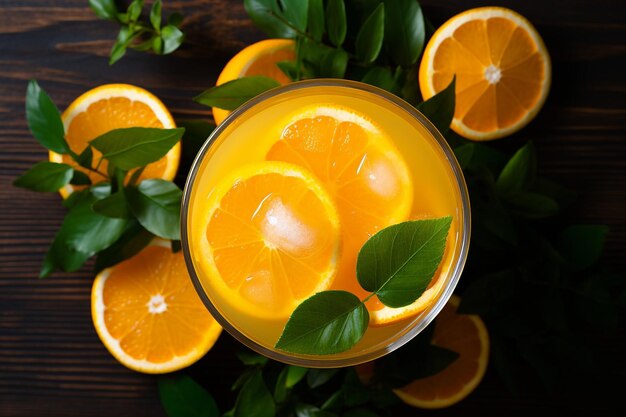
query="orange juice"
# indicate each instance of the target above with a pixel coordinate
(365, 160)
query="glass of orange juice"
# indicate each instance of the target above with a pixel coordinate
(288, 188)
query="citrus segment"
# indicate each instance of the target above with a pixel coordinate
(148, 314)
(260, 58)
(272, 238)
(465, 335)
(502, 71)
(359, 166)
(115, 106)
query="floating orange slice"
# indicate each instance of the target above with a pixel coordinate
(115, 106)
(359, 166)
(461, 333)
(502, 71)
(272, 238)
(257, 59)
(148, 314)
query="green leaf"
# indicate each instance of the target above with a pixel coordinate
(315, 25)
(157, 45)
(464, 154)
(398, 263)
(296, 12)
(325, 323)
(369, 41)
(117, 52)
(295, 375)
(80, 178)
(172, 38)
(87, 231)
(520, 172)
(130, 243)
(335, 64)
(288, 377)
(136, 146)
(380, 77)
(250, 358)
(82, 234)
(104, 9)
(85, 158)
(484, 293)
(289, 68)
(61, 256)
(156, 204)
(181, 396)
(531, 205)
(255, 399)
(230, 95)
(581, 245)
(319, 376)
(134, 10)
(336, 22)
(307, 410)
(44, 119)
(267, 16)
(175, 19)
(113, 206)
(439, 109)
(196, 133)
(45, 177)
(404, 31)
(155, 14)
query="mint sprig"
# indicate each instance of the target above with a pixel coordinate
(150, 35)
(396, 265)
(115, 217)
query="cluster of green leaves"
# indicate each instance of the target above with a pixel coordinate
(535, 280)
(396, 265)
(154, 35)
(376, 42)
(271, 389)
(116, 216)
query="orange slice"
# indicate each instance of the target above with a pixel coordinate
(502, 67)
(272, 238)
(257, 59)
(148, 314)
(115, 106)
(466, 335)
(359, 166)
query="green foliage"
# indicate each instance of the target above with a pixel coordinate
(181, 396)
(112, 218)
(137, 34)
(156, 205)
(439, 109)
(233, 94)
(45, 176)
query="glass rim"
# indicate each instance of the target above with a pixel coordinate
(321, 361)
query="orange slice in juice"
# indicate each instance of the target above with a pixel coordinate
(272, 238)
(115, 106)
(361, 169)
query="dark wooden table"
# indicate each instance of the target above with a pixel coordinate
(51, 361)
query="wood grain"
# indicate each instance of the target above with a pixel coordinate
(51, 361)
